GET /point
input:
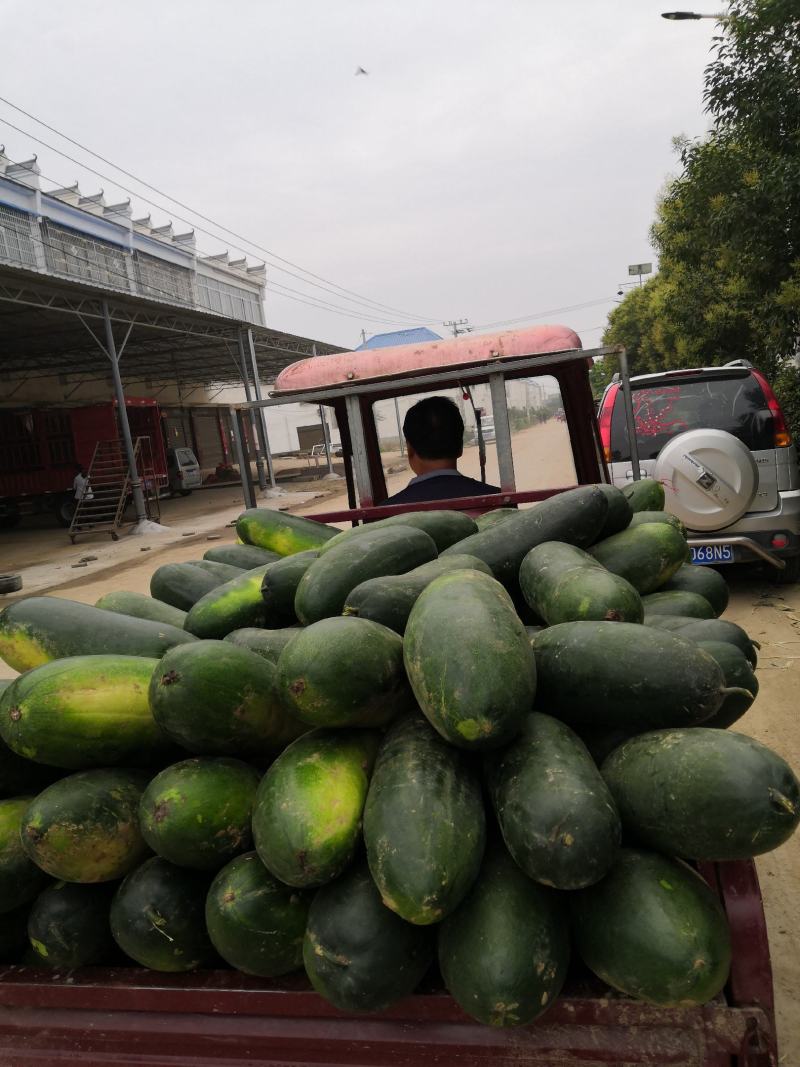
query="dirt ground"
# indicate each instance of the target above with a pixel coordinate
(769, 613)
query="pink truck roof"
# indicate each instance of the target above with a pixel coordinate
(320, 372)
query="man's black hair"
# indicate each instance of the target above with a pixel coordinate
(434, 428)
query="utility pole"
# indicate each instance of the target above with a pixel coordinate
(459, 326)
(363, 337)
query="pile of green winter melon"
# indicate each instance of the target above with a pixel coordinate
(493, 747)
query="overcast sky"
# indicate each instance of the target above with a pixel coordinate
(501, 158)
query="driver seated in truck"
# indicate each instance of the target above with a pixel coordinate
(434, 434)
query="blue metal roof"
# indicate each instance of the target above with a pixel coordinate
(400, 337)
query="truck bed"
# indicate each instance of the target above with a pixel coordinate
(108, 1017)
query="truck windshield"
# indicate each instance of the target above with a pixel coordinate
(665, 409)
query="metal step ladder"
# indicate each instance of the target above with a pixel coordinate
(102, 507)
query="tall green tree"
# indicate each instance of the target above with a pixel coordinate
(728, 227)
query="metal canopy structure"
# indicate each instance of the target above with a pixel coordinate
(52, 326)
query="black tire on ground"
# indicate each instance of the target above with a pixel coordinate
(790, 573)
(185, 492)
(9, 522)
(10, 583)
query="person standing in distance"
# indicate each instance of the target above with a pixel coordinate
(81, 487)
(434, 433)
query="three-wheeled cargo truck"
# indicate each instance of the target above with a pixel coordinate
(100, 1018)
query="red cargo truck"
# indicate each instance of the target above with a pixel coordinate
(40, 449)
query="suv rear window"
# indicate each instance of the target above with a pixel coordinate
(662, 410)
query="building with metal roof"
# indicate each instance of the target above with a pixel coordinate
(400, 337)
(88, 293)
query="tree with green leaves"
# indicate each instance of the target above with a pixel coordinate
(728, 227)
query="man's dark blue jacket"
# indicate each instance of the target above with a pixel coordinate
(440, 485)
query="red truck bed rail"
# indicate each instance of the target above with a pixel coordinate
(105, 1018)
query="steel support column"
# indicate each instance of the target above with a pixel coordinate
(629, 416)
(122, 413)
(262, 415)
(359, 451)
(242, 457)
(255, 421)
(323, 418)
(502, 431)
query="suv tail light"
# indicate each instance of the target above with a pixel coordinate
(780, 430)
(604, 421)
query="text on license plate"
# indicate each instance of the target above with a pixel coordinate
(712, 554)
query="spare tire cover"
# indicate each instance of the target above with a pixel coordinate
(709, 478)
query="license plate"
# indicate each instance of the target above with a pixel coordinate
(704, 554)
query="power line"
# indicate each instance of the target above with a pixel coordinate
(544, 314)
(352, 296)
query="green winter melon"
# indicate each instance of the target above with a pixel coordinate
(84, 828)
(256, 923)
(653, 929)
(307, 814)
(504, 953)
(197, 813)
(158, 917)
(20, 878)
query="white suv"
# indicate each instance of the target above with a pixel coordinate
(717, 440)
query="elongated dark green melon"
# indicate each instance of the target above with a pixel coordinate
(181, 585)
(555, 811)
(646, 494)
(43, 628)
(469, 660)
(84, 828)
(18, 775)
(243, 556)
(389, 600)
(343, 672)
(357, 953)
(562, 583)
(576, 517)
(647, 556)
(654, 930)
(221, 700)
(158, 917)
(197, 813)
(619, 513)
(424, 826)
(83, 711)
(279, 588)
(323, 589)
(504, 953)
(230, 606)
(141, 607)
(492, 518)
(724, 796)
(680, 602)
(68, 925)
(307, 815)
(20, 878)
(641, 517)
(224, 571)
(739, 677)
(282, 533)
(445, 528)
(623, 675)
(266, 643)
(256, 923)
(706, 630)
(703, 580)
